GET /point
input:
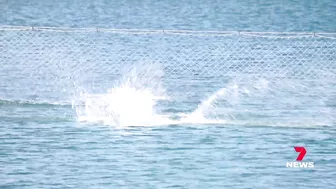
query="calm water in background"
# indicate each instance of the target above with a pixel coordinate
(246, 15)
(44, 146)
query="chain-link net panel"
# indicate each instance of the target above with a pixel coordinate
(56, 64)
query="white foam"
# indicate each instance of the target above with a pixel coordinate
(133, 101)
(123, 106)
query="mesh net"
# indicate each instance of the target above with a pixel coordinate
(56, 63)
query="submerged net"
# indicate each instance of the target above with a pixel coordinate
(223, 75)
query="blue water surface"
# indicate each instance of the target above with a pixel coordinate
(43, 145)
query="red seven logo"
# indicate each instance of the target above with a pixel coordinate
(302, 152)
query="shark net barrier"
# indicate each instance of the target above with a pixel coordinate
(159, 77)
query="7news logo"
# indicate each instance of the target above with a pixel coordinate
(299, 163)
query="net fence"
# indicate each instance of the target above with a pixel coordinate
(57, 63)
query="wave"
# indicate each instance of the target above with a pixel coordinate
(36, 119)
(35, 103)
(39, 108)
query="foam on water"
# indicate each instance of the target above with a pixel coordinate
(205, 109)
(133, 101)
(122, 106)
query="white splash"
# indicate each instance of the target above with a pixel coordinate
(132, 102)
(123, 106)
(205, 109)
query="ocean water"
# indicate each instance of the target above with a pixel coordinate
(162, 109)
